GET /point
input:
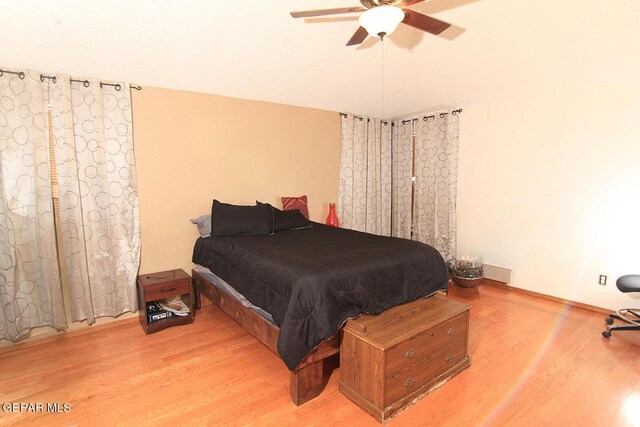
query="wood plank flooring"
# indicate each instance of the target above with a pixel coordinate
(533, 363)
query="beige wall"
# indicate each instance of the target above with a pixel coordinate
(549, 187)
(193, 147)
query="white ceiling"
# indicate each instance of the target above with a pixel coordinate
(253, 49)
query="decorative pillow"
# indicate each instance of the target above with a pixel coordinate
(204, 225)
(300, 203)
(287, 220)
(290, 220)
(234, 220)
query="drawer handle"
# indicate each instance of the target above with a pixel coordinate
(410, 353)
(409, 382)
(449, 357)
(167, 290)
(451, 331)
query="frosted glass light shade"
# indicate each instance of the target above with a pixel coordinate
(381, 20)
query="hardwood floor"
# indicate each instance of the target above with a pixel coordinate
(533, 363)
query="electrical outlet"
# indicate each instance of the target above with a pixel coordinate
(602, 280)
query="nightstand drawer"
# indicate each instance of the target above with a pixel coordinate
(167, 289)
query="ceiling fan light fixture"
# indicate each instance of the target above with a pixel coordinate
(381, 20)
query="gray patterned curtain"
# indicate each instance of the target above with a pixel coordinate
(99, 203)
(365, 175)
(99, 222)
(30, 284)
(436, 184)
(402, 161)
(376, 178)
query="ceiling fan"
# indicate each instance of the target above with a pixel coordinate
(381, 17)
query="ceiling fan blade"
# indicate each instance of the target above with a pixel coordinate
(323, 12)
(407, 3)
(358, 37)
(424, 22)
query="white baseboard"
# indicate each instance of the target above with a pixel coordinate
(499, 274)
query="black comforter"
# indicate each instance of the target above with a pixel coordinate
(312, 280)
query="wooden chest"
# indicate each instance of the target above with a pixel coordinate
(390, 360)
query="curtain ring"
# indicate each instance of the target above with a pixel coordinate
(54, 78)
(19, 74)
(118, 87)
(442, 115)
(86, 83)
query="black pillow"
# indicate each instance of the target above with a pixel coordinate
(287, 220)
(233, 220)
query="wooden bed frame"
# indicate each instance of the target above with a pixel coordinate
(311, 375)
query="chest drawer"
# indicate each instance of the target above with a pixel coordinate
(158, 291)
(411, 376)
(423, 344)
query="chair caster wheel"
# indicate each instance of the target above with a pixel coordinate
(606, 334)
(609, 320)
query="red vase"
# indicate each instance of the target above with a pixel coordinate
(332, 218)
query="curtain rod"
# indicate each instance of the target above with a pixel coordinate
(404, 122)
(85, 82)
(354, 116)
(425, 118)
(454, 112)
(384, 122)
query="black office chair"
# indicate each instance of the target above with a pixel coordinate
(628, 283)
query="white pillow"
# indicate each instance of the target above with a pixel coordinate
(204, 225)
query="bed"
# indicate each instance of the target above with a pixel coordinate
(310, 282)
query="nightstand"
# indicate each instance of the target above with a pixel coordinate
(162, 285)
